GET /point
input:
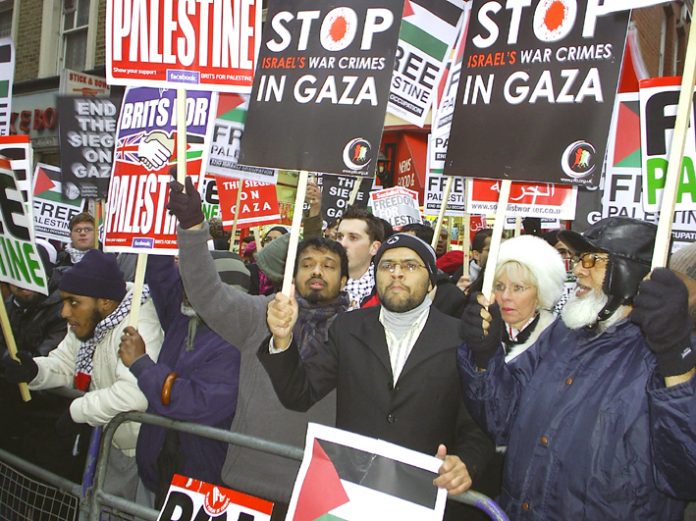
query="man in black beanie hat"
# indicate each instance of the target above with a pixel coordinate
(96, 304)
(598, 414)
(392, 366)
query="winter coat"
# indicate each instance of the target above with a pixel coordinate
(592, 432)
(204, 391)
(113, 388)
(240, 319)
(37, 328)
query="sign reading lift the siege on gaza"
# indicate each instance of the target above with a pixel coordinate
(210, 45)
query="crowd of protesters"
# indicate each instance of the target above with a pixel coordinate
(579, 366)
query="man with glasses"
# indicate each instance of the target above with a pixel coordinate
(82, 230)
(393, 366)
(598, 414)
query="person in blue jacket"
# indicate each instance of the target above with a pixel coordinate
(599, 414)
(195, 379)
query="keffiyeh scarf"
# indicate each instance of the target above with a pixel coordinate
(83, 362)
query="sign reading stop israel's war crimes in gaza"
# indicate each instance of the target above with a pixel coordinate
(322, 85)
(536, 91)
(209, 44)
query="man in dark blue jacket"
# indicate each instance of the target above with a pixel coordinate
(195, 379)
(598, 415)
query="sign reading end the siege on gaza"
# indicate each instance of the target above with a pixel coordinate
(322, 85)
(208, 45)
(536, 91)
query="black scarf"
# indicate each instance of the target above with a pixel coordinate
(313, 321)
(522, 336)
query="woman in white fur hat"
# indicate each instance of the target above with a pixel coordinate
(528, 282)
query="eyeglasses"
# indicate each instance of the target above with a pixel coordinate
(515, 289)
(407, 266)
(83, 230)
(588, 260)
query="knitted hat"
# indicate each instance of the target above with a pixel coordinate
(96, 275)
(232, 270)
(271, 259)
(684, 260)
(542, 260)
(405, 240)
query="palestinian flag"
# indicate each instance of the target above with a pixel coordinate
(626, 151)
(233, 107)
(344, 483)
(47, 185)
(430, 25)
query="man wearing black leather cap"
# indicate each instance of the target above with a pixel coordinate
(599, 414)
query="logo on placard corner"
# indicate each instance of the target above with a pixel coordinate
(357, 154)
(142, 242)
(183, 76)
(216, 502)
(579, 160)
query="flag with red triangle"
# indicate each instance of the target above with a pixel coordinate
(349, 477)
(52, 211)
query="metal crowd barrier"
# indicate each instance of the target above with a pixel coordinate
(29, 492)
(101, 499)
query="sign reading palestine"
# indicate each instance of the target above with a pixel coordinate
(322, 85)
(536, 91)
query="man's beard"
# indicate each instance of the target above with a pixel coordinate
(94, 322)
(579, 312)
(414, 299)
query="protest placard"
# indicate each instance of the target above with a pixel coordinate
(335, 195)
(321, 88)
(52, 213)
(435, 182)
(526, 199)
(623, 194)
(428, 30)
(18, 149)
(258, 203)
(179, 44)
(226, 135)
(553, 63)
(210, 201)
(190, 499)
(20, 263)
(137, 220)
(7, 67)
(76, 83)
(658, 101)
(87, 129)
(398, 205)
(349, 477)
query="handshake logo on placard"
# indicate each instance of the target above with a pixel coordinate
(155, 149)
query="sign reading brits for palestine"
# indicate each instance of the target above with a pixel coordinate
(20, 263)
(137, 220)
(322, 85)
(189, 499)
(209, 45)
(348, 477)
(536, 91)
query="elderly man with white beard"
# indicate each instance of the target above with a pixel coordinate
(599, 415)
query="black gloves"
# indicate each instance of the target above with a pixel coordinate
(186, 207)
(661, 309)
(66, 427)
(16, 372)
(483, 344)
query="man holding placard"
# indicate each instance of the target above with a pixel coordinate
(96, 304)
(598, 414)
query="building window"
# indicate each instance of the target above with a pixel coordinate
(6, 8)
(74, 31)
